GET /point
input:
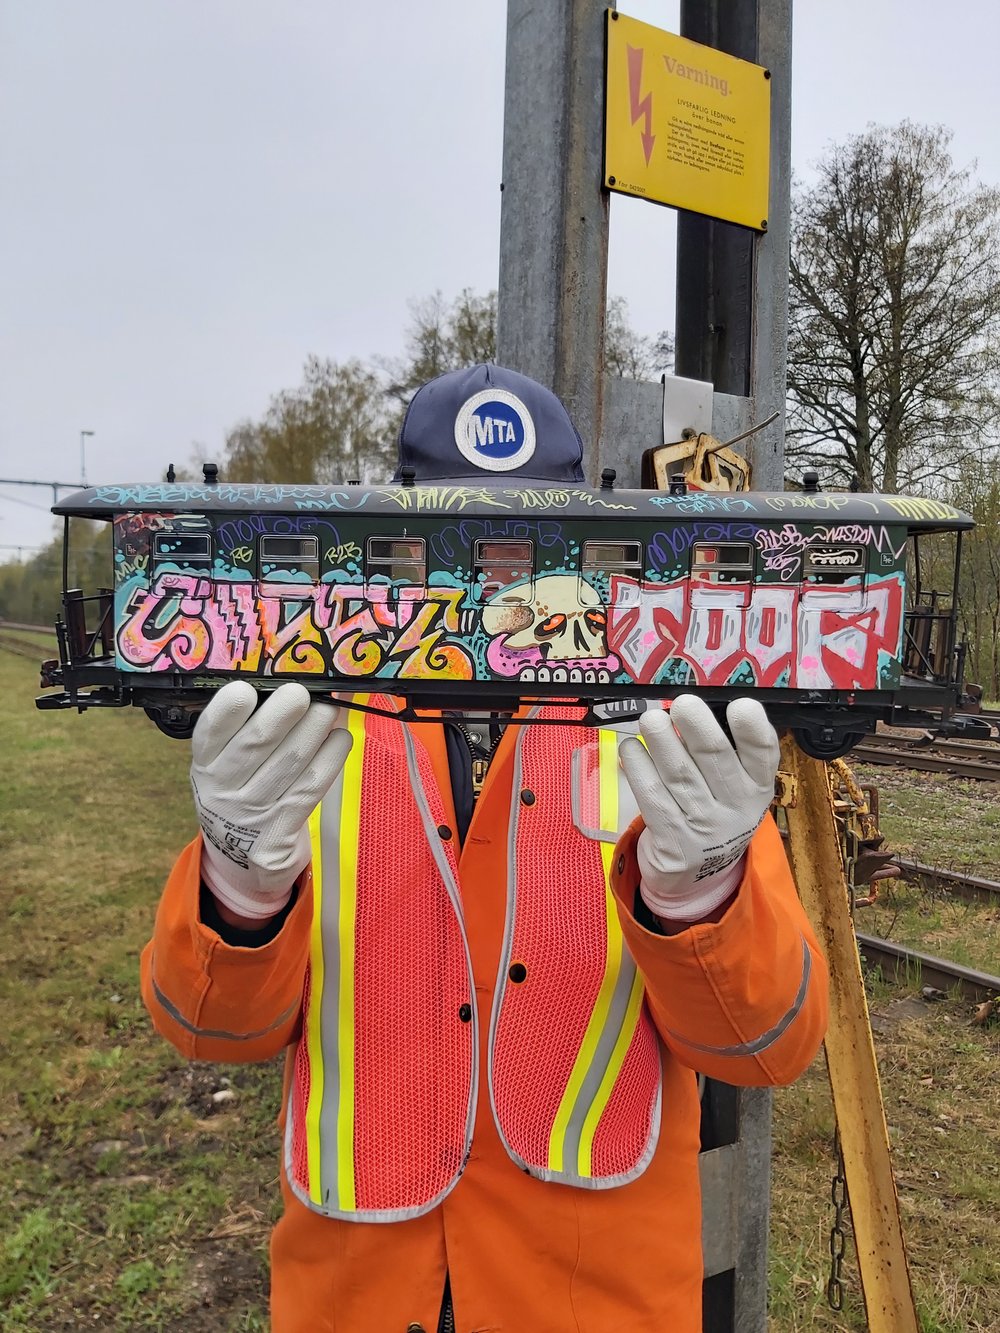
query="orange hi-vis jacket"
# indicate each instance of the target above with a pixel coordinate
(491, 1063)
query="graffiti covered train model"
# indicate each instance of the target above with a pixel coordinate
(475, 597)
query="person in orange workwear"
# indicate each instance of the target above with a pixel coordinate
(495, 1005)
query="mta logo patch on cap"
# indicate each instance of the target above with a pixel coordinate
(494, 431)
(490, 424)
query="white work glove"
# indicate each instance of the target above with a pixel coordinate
(701, 799)
(257, 776)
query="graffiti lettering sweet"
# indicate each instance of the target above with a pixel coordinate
(187, 623)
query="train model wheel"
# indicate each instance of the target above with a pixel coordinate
(177, 723)
(820, 745)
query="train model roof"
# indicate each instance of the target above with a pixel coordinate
(918, 513)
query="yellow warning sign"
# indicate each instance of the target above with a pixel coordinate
(685, 124)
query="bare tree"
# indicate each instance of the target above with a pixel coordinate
(342, 421)
(445, 336)
(631, 355)
(978, 492)
(894, 312)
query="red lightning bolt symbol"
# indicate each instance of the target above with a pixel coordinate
(640, 108)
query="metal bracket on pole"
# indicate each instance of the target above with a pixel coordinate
(814, 853)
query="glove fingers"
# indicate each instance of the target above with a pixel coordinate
(282, 766)
(712, 757)
(225, 715)
(655, 801)
(261, 735)
(670, 748)
(316, 779)
(755, 739)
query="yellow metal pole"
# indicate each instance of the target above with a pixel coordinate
(814, 852)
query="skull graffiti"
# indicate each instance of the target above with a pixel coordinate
(553, 629)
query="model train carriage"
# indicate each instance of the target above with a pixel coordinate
(438, 592)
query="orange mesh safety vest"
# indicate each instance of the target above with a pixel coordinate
(383, 1100)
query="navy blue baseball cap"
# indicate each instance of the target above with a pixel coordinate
(488, 424)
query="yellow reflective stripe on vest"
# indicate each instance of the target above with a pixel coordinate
(330, 1017)
(616, 1010)
(312, 1024)
(584, 1162)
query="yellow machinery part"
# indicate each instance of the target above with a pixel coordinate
(703, 462)
(814, 853)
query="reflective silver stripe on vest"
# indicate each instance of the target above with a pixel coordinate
(624, 998)
(331, 812)
(768, 1038)
(441, 861)
(219, 1034)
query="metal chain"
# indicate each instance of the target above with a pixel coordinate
(838, 1236)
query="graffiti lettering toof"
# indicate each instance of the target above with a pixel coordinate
(820, 640)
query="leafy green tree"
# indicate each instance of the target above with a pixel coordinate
(333, 427)
(894, 312)
(31, 590)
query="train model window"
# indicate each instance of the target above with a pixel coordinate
(182, 550)
(721, 573)
(396, 560)
(498, 564)
(284, 560)
(834, 576)
(608, 560)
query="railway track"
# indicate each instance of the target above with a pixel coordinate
(35, 629)
(961, 758)
(903, 964)
(23, 647)
(970, 887)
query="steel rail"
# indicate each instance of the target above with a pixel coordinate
(19, 648)
(970, 887)
(938, 972)
(35, 629)
(929, 763)
(981, 747)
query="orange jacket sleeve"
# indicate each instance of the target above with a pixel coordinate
(744, 999)
(215, 1001)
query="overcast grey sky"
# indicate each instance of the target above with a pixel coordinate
(197, 194)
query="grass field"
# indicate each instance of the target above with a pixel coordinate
(131, 1198)
(135, 1197)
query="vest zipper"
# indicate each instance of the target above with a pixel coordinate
(481, 755)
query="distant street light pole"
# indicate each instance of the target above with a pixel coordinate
(83, 459)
